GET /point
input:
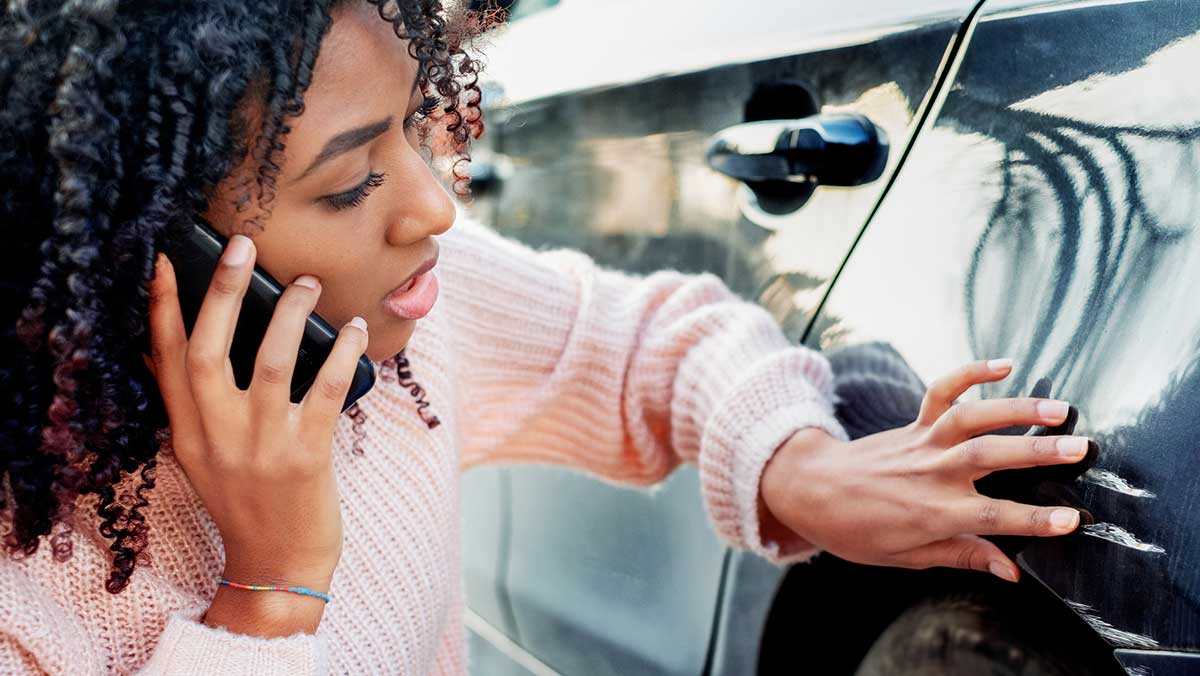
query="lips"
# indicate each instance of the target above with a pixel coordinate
(415, 297)
(405, 287)
(411, 280)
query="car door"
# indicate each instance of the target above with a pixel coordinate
(600, 116)
(1049, 212)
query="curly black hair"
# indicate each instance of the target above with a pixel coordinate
(117, 121)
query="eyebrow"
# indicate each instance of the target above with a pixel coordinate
(349, 140)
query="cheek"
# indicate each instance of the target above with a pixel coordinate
(355, 294)
(345, 295)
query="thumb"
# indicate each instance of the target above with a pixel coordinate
(969, 552)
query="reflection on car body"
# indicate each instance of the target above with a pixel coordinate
(1038, 201)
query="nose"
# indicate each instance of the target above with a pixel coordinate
(425, 208)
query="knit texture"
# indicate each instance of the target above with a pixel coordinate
(528, 356)
(875, 389)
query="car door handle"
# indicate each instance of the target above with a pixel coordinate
(842, 149)
(488, 173)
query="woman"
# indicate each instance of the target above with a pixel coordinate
(296, 129)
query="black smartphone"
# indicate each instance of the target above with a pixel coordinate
(195, 260)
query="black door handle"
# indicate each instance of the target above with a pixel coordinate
(488, 173)
(781, 157)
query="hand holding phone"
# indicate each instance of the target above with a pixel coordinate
(194, 263)
(261, 464)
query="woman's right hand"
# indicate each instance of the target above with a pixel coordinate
(906, 496)
(262, 465)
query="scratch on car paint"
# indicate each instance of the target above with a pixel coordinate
(1138, 671)
(1109, 480)
(1108, 632)
(1120, 536)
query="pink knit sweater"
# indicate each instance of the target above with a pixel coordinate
(527, 357)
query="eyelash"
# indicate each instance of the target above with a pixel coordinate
(429, 105)
(354, 197)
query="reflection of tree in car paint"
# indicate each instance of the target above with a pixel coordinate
(1097, 183)
(1046, 152)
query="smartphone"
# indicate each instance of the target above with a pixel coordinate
(196, 258)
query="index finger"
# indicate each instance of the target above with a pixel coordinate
(944, 391)
(212, 335)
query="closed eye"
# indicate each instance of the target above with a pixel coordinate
(354, 196)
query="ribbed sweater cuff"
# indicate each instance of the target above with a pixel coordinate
(772, 402)
(188, 646)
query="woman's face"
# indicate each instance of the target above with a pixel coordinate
(356, 126)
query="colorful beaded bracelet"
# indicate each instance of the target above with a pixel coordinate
(298, 590)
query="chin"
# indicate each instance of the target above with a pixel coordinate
(382, 344)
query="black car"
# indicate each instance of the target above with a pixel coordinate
(941, 180)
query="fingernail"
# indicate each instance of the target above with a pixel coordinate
(1002, 571)
(1052, 410)
(1072, 447)
(1064, 519)
(359, 322)
(238, 250)
(309, 281)
(1000, 364)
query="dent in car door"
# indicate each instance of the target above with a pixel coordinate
(1049, 213)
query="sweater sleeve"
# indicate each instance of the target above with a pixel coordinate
(188, 646)
(40, 636)
(625, 377)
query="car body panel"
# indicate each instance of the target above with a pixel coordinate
(625, 165)
(581, 45)
(1159, 662)
(596, 578)
(486, 517)
(1048, 213)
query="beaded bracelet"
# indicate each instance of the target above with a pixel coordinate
(298, 590)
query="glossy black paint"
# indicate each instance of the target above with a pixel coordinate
(1159, 663)
(1049, 213)
(620, 172)
(1045, 212)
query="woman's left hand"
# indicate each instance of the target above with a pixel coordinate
(906, 498)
